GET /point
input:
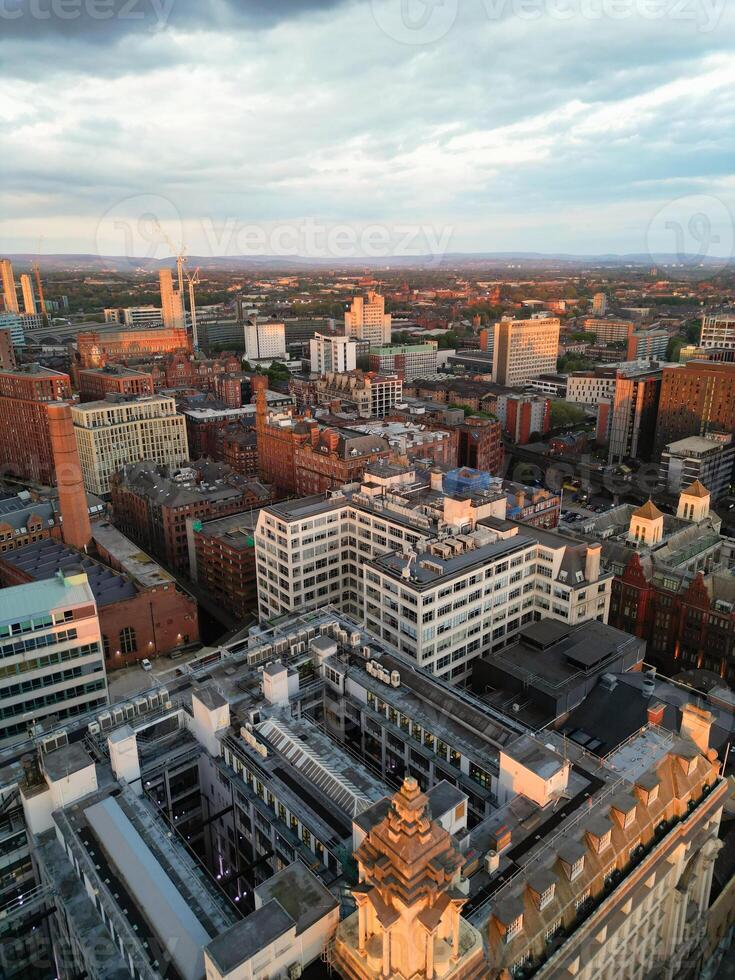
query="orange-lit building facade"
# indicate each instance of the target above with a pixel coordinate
(95, 348)
(25, 443)
(96, 383)
(695, 399)
(480, 445)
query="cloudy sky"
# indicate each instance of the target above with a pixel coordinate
(331, 127)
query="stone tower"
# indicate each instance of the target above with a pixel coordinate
(408, 922)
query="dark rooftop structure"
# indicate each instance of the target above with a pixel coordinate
(553, 666)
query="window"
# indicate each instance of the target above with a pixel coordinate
(514, 929)
(545, 897)
(127, 640)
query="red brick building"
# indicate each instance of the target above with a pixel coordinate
(224, 562)
(696, 398)
(523, 415)
(152, 507)
(687, 622)
(181, 370)
(136, 621)
(480, 445)
(238, 448)
(96, 383)
(326, 458)
(25, 443)
(96, 348)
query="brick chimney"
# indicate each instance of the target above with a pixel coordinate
(76, 529)
(656, 713)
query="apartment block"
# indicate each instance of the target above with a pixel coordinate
(633, 415)
(718, 331)
(609, 330)
(113, 379)
(10, 292)
(408, 361)
(332, 354)
(524, 349)
(25, 443)
(366, 319)
(51, 647)
(589, 387)
(651, 344)
(264, 339)
(697, 399)
(710, 461)
(173, 312)
(121, 430)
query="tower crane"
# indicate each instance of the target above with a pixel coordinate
(193, 279)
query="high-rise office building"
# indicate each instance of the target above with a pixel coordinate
(121, 430)
(336, 354)
(264, 339)
(697, 398)
(29, 299)
(367, 320)
(7, 353)
(632, 412)
(718, 330)
(172, 301)
(10, 294)
(524, 349)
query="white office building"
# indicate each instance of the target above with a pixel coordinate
(264, 339)
(433, 575)
(718, 330)
(337, 354)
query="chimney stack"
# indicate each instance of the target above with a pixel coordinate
(696, 723)
(76, 529)
(592, 562)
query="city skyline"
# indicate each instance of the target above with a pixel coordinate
(507, 128)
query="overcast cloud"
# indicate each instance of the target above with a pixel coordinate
(540, 125)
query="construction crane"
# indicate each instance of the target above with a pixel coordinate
(36, 270)
(193, 280)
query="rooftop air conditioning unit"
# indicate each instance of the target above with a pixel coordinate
(162, 694)
(105, 720)
(62, 737)
(141, 705)
(355, 639)
(155, 700)
(395, 679)
(129, 710)
(48, 744)
(93, 728)
(366, 652)
(295, 971)
(118, 716)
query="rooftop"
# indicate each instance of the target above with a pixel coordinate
(21, 602)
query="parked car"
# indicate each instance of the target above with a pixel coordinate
(146, 664)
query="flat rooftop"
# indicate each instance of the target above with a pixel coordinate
(136, 563)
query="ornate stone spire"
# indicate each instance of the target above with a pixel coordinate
(408, 922)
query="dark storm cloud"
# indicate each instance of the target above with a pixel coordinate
(107, 21)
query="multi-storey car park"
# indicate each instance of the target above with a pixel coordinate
(209, 826)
